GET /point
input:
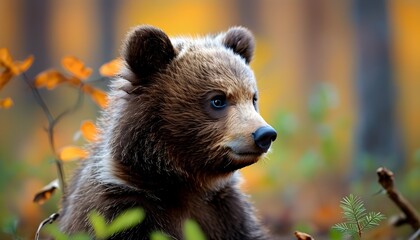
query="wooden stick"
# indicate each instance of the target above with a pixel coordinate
(303, 236)
(386, 179)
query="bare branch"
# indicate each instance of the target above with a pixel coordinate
(49, 220)
(50, 130)
(386, 179)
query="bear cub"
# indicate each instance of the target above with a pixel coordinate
(182, 119)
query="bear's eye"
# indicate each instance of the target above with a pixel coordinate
(255, 100)
(218, 102)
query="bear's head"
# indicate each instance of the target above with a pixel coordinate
(188, 106)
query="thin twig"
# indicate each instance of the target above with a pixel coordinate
(50, 130)
(386, 179)
(72, 109)
(38, 98)
(49, 220)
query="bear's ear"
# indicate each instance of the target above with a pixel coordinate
(241, 41)
(146, 51)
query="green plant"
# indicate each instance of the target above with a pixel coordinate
(191, 229)
(124, 221)
(358, 220)
(103, 230)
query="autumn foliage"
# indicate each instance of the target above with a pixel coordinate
(11, 69)
(77, 76)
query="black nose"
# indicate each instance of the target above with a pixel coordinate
(264, 136)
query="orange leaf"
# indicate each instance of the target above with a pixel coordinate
(6, 103)
(89, 131)
(6, 61)
(19, 67)
(111, 68)
(98, 96)
(46, 192)
(70, 153)
(49, 79)
(76, 67)
(5, 78)
(5, 58)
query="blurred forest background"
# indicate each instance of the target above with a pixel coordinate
(339, 80)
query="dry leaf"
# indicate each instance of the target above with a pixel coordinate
(49, 79)
(6, 103)
(76, 67)
(5, 58)
(19, 67)
(46, 192)
(11, 68)
(98, 96)
(16, 67)
(89, 131)
(110, 69)
(70, 153)
(5, 77)
(303, 236)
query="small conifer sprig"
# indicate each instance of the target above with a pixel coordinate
(357, 219)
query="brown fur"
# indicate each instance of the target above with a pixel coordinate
(163, 148)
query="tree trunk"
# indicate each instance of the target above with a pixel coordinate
(377, 139)
(35, 32)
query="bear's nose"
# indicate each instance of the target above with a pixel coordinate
(264, 136)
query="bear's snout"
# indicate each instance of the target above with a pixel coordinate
(264, 136)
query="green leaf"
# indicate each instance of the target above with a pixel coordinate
(357, 218)
(286, 124)
(80, 236)
(99, 224)
(192, 231)
(372, 220)
(341, 227)
(335, 235)
(126, 220)
(10, 226)
(353, 208)
(53, 230)
(158, 236)
(322, 99)
(309, 163)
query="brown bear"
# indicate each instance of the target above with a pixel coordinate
(182, 119)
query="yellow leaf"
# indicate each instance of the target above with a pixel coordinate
(46, 192)
(5, 58)
(6, 103)
(5, 78)
(89, 131)
(111, 68)
(11, 68)
(19, 67)
(76, 67)
(70, 153)
(98, 96)
(49, 79)
(6, 61)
